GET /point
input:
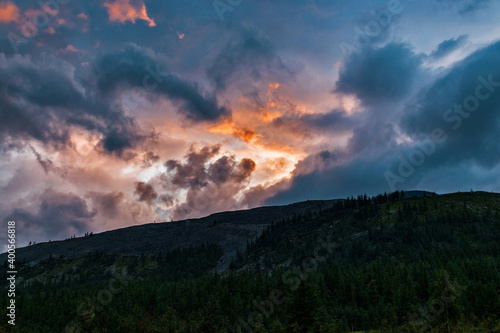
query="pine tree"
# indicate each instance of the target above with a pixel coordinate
(303, 307)
(444, 295)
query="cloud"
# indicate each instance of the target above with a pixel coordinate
(146, 192)
(468, 6)
(193, 172)
(261, 194)
(107, 204)
(46, 164)
(149, 158)
(362, 174)
(473, 135)
(114, 208)
(70, 49)
(9, 12)
(82, 16)
(168, 200)
(211, 186)
(128, 10)
(385, 73)
(248, 54)
(58, 215)
(245, 134)
(307, 124)
(468, 158)
(34, 109)
(136, 67)
(122, 135)
(448, 46)
(44, 102)
(464, 7)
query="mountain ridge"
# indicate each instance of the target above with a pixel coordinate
(230, 229)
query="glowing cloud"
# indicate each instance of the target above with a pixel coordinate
(8, 12)
(123, 10)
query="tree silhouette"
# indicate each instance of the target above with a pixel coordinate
(303, 308)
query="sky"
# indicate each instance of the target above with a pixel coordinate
(123, 112)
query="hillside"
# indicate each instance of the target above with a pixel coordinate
(386, 264)
(230, 230)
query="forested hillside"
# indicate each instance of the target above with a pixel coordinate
(385, 264)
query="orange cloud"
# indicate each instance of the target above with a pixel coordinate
(123, 10)
(230, 128)
(8, 12)
(245, 134)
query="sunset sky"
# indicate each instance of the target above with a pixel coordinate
(125, 112)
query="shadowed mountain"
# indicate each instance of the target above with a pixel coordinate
(419, 194)
(230, 230)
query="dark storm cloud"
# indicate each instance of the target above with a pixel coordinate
(226, 169)
(192, 173)
(366, 174)
(381, 77)
(146, 192)
(58, 215)
(371, 136)
(136, 67)
(211, 186)
(473, 84)
(41, 100)
(197, 172)
(470, 141)
(25, 109)
(448, 46)
(247, 54)
(121, 136)
(385, 73)
(333, 121)
(220, 171)
(363, 174)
